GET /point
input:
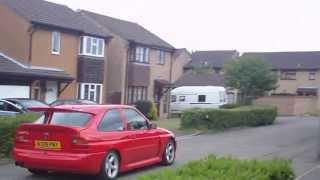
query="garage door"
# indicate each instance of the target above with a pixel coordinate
(8, 91)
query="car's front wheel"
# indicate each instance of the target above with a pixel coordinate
(110, 167)
(169, 153)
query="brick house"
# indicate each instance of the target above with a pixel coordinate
(140, 63)
(41, 36)
(298, 72)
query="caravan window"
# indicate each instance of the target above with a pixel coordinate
(173, 98)
(182, 98)
(202, 98)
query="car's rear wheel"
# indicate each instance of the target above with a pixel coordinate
(38, 172)
(169, 153)
(110, 166)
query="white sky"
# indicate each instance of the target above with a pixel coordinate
(245, 25)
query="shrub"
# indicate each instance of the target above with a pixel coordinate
(147, 108)
(8, 126)
(213, 167)
(153, 114)
(227, 118)
(229, 106)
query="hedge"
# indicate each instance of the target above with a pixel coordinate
(148, 108)
(213, 167)
(8, 126)
(228, 118)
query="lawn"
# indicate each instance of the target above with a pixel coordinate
(173, 124)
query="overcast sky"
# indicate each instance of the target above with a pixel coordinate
(245, 25)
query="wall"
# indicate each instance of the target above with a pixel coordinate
(159, 72)
(67, 59)
(291, 105)
(291, 86)
(179, 61)
(116, 69)
(14, 36)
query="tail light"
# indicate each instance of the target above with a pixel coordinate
(77, 140)
(22, 137)
(80, 145)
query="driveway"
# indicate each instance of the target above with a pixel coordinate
(294, 138)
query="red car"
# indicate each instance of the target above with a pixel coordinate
(92, 139)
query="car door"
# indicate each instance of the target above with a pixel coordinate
(145, 142)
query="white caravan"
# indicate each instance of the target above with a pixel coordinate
(187, 97)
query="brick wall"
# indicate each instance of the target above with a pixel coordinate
(290, 105)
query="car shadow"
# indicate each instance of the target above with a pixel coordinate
(64, 176)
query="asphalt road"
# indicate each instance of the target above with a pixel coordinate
(294, 138)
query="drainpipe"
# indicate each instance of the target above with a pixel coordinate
(169, 99)
(32, 30)
(126, 69)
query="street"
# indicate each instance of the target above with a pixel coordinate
(294, 138)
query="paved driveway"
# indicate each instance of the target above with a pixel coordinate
(294, 138)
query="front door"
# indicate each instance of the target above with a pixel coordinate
(51, 91)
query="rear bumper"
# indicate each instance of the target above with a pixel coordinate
(88, 163)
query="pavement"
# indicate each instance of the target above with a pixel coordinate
(294, 138)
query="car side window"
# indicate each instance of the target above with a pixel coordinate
(2, 107)
(111, 122)
(135, 120)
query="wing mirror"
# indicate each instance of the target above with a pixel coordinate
(153, 125)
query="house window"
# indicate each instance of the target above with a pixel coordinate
(162, 57)
(136, 93)
(141, 55)
(288, 75)
(202, 98)
(91, 46)
(312, 75)
(91, 92)
(182, 98)
(55, 44)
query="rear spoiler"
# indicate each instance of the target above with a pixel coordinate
(57, 109)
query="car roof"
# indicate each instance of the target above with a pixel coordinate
(93, 109)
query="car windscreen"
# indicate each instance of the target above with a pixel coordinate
(31, 103)
(76, 119)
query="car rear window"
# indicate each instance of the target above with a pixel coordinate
(75, 119)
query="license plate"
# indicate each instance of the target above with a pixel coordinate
(49, 145)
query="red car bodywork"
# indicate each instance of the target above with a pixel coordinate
(136, 148)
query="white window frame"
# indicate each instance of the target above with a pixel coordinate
(312, 75)
(82, 91)
(97, 41)
(53, 35)
(141, 54)
(162, 57)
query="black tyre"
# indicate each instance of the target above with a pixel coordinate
(169, 153)
(110, 166)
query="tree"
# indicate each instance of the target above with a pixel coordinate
(251, 76)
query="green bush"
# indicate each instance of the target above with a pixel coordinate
(213, 167)
(230, 106)
(227, 118)
(8, 126)
(147, 108)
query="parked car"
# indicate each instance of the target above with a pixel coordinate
(14, 106)
(72, 102)
(92, 139)
(187, 97)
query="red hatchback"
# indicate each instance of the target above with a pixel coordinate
(92, 139)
